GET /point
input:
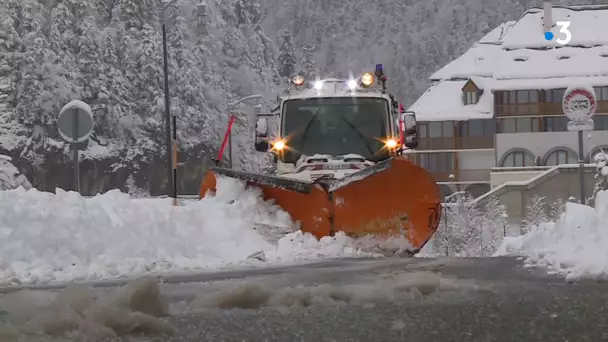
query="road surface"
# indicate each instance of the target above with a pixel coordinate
(493, 299)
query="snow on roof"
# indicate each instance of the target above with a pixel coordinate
(450, 106)
(515, 55)
(495, 36)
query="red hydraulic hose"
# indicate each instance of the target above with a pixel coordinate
(226, 137)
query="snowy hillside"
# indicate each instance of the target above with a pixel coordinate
(109, 54)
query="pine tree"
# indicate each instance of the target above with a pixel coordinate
(287, 58)
(308, 63)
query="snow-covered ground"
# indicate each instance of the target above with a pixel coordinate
(574, 246)
(46, 237)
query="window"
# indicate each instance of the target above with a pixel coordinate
(523, 125)
(554, 95)
(437, 162)
(519, 125)
(422, 130)
(448, 129)
(561, 157)
(507, 126)
(600, 122)
(527, 96)
(489, 127)
(434, 129)
(470, 97)
(555, 124)
(601, 93)
(477, 128)
(437, 129)
(518, 159)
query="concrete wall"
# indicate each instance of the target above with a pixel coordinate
(475, 165)
(502, 177)
(541, 143)
(560, 183)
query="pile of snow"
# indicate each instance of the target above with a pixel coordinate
(574, 246)
(79, 314)
(47, 237)
(10, 177)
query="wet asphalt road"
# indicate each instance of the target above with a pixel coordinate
(493, 299)
(488, 300)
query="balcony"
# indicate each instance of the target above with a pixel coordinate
(543, 108)
(485, 142)
(465, 166)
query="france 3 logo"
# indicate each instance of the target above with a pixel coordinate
(566, 35)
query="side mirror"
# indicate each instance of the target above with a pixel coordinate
(261, 128)
(262, 145)
(261, 134)
(408, 129)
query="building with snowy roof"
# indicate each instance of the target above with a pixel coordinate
(494, 114)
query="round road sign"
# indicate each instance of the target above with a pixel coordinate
(579, 103)
(75, 122)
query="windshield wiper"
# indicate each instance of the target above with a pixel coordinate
(308, 124)
(370, 149)
(305, 131)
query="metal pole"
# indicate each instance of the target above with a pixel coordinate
(175, 150)
(75, 156)
(170, 181)
(581, 165)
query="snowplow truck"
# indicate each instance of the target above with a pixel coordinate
(341, 162)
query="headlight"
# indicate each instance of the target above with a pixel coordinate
(278, 145)
(391, 143)
(352, 84)
(318, 85)
(367, 79)
(298, 80)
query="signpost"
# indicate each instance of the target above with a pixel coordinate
(75, 125)
(579, 105)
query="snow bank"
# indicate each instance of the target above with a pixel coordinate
(10, 177)
(574, 246)
(47, 237)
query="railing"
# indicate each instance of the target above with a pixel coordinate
(540, 108)
(453, 143)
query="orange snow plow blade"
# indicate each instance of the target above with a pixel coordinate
(393, 197)
(399, 198)
(304, 201)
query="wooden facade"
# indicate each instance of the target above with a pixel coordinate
(516, 111)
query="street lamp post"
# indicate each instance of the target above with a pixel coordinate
(171, 158)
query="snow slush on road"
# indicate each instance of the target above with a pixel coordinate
(48, 238)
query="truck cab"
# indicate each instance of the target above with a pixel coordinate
(334, 127)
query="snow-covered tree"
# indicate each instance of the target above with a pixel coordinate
(287, 59)
(536, 213)
(601, 175)
(10, 177)
(466, 230)
(308, 64)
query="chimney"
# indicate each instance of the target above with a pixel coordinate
(547, 16)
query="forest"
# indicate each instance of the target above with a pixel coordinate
(108, 53)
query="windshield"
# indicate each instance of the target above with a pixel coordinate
(335, 126)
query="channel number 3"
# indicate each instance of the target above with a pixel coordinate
(563, 28)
